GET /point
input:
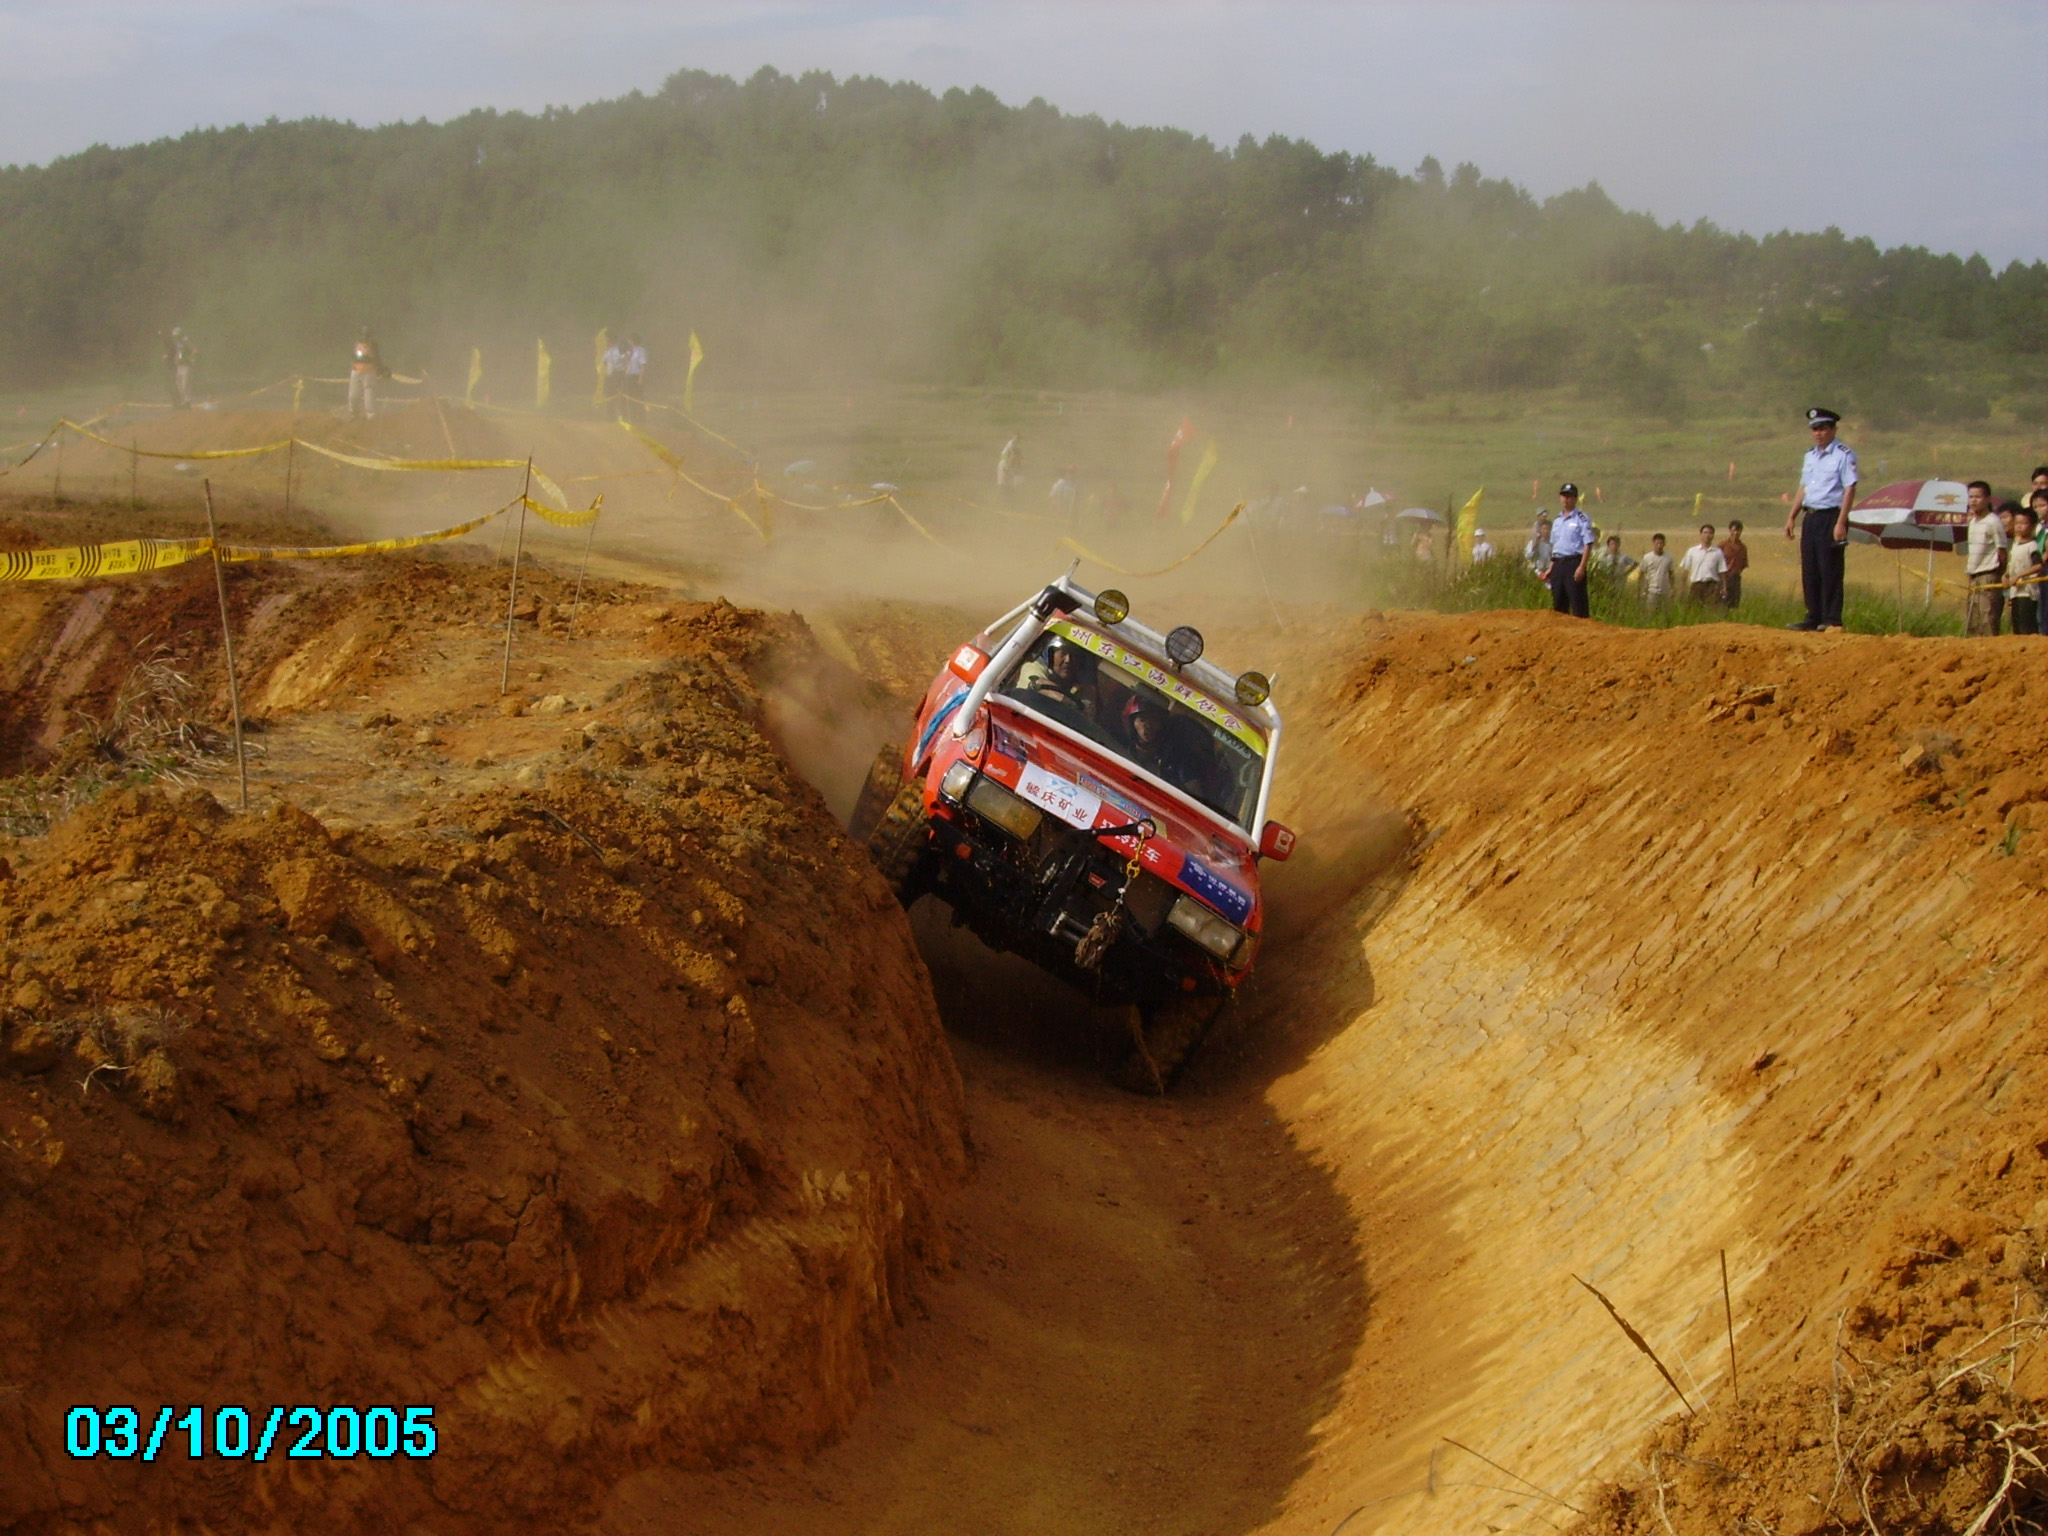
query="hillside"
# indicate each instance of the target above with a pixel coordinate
(811, 228)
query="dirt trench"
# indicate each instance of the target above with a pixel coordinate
(1607, 954)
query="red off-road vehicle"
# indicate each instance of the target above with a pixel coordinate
(1091, 794)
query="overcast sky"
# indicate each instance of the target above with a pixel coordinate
(1923, 124)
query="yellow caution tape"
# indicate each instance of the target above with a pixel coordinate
(128, 558)
(563, 519)
(234, 552)
(1090, 555)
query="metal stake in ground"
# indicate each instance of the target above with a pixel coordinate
(581, 566)
(291, 449)
(512, 595)
(227, 641)
(134, 465)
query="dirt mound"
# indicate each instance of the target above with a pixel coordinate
(1710, 941)
(605, 1115)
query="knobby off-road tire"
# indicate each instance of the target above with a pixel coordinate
(899, 841)
(885, 778)
(1162, 1039)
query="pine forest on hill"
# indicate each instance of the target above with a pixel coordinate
(816, 230)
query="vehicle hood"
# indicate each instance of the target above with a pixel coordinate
(1088, 787)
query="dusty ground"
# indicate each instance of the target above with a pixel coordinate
(1607, 954)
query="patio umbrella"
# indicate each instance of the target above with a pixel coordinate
(1913, 514)
(1421, 514)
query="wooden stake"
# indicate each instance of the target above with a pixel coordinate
(134, 468)
(581, 566)
(512, 595)
(1728, 1311)
(227, 640)
(57, 488)
(291, 450)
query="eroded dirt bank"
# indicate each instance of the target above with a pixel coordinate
(1709, 940)
(569, 1072)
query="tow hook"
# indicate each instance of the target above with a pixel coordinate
(1103, 932)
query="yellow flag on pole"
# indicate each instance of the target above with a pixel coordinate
(603, 340)
(476, 373)
(542, 369)
(1187, 508)
(690, 378)
(1468, 524)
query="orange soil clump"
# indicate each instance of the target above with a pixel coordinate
(606, 1115)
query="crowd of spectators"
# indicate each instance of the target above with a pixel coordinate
(2004, 555)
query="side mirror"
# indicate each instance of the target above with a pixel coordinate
(1276, 843)
(968, 663)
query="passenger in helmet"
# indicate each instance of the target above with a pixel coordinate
(1153, 744)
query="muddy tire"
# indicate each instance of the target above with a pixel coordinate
(1161, 1041)
(885, 778)
(898, 843)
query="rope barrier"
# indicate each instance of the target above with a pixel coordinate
(1088, 554)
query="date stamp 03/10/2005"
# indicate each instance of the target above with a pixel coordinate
(233, 1433)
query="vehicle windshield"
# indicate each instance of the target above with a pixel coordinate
(1144, 714)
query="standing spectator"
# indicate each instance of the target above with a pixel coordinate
(1482, 550)
(1571, 547)
(612, 387)
(365, 368)
(1066, 495)
(1983, 563)
(2022, 569)
(1010, 465)
(636, 377)
(1735, 555)
(2040, 482)
(178, 356)
(1704, 565)
(1827, 490)
(1612, 563)
(1657, 579)
(1537, 550)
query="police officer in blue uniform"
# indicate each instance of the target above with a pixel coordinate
(1571, 548)
(1827, 490)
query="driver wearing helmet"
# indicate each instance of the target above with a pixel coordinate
(1063, 674)
(1153, 744)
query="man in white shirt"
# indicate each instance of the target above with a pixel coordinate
(1704, 566)
(1656, 577)
(1482, 551)
(1984, 563)
(1827, 490)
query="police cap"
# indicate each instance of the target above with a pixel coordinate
(1567, 489)
(1821, 416)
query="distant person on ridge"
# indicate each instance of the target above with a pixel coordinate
(1735, 555)
(636, 377)
(1827, 485)
(1571, 547)
(1612, 563)
(179, 354)
(1984, 563)
(614, 375)
(1657, 579)
(1537, 551)
(1482, 548)
(1010, 465)
(1704, 567)
(2022, 569)
(365, 369)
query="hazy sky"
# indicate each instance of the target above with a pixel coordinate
(1922, 124)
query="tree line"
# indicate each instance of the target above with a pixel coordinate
(815, 231)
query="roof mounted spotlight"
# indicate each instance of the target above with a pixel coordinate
(1253, 689)
(1111, 606)
(1183, 645)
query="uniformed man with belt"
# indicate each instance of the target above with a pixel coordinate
(1571, 548)
(1827, 490)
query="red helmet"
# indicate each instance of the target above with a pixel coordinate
(1141, 703)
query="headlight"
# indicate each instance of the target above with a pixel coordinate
(954, 785)
(1220, 937)
(990, 800)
